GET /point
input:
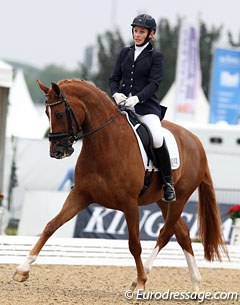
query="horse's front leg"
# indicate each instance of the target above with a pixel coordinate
(132, 219)
(74, 203)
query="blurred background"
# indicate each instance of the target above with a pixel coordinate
(54, 40)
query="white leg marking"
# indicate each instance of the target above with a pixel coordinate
(193, 269)
(149, 262)
(25, 267)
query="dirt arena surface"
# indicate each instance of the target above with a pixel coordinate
(90, 285)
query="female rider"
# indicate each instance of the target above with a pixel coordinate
(134, 81)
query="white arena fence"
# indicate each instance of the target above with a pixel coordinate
(108, 252)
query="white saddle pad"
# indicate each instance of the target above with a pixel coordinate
(171, 144)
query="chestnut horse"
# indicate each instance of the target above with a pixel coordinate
(110, 171)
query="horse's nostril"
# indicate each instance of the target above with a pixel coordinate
(56, 155)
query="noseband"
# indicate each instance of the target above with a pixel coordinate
(72, 136)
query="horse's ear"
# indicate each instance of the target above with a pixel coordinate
(56, 89)
(44, 88)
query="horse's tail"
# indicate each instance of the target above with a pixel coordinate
(209, 220)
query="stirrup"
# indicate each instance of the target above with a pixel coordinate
(167, 184)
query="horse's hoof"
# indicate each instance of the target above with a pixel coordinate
(21, 276)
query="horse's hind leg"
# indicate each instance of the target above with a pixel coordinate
(174, 209)
(149, 262)
(74, 203)
(183, 238)
(181, 232)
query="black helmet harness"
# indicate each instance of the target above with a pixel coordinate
(145, 21)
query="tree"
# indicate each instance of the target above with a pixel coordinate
(53, 73)
(168, 43)
(108, 46)
(232, 42)
(169, 37)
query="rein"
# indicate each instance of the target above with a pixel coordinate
(56, 137)
(101, 127)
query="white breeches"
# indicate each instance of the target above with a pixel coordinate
(154, 124)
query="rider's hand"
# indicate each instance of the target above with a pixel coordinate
(132, 101)
(119, 97)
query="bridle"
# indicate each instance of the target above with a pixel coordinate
(70, 137)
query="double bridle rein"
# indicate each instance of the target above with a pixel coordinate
(72, 136)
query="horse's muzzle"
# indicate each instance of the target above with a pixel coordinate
(61, 151)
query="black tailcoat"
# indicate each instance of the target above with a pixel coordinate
(141, 78)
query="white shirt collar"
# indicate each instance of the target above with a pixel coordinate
(141, 48)
(138, 50)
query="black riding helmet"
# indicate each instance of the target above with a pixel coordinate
(146, 21)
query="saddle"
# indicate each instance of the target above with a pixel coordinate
(147, 141)
(144, 134)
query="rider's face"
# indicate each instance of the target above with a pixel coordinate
(140, 34)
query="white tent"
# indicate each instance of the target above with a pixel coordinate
(201, 111)
(23, 120)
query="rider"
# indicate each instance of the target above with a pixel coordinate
(134, 81)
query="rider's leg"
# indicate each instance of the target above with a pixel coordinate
(161, 154)
(163, 162)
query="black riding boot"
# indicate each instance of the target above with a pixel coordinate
(164, 165)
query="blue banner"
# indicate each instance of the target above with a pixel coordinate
(225, 87)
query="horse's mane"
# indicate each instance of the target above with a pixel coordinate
(78, 80)
(87, 84)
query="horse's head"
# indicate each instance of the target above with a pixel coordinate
(64, 121)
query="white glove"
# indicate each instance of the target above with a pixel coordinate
(132, 101)
(119, 97)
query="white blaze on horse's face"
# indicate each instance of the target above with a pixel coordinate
(50, 118)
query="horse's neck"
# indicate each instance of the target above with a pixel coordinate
(97, 113)
(98, 146)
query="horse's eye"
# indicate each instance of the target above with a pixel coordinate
(59, 115)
